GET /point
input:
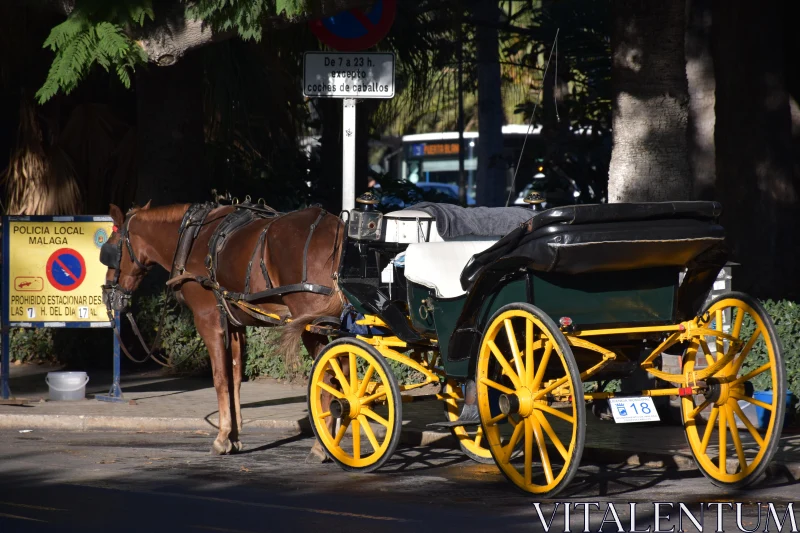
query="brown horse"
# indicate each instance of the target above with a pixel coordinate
(150, 236)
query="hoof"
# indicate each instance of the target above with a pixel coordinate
(317, 455)
(221, 448)
(237, 446)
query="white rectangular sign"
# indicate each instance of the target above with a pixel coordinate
(351, 75)
(633, 409)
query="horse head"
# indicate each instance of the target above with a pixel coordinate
(124, 256)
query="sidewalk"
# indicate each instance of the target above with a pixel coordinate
(163, 403)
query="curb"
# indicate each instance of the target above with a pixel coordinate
(669, 460)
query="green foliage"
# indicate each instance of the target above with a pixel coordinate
(180, 344)
(94, 33)
(246, 17)
(263, 359)
(28, 345)
(786, 316)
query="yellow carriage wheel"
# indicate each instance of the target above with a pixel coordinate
(360, 429)
(530, 400)
(470, 438)
(728, 447)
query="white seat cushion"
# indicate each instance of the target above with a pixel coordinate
(438, 265)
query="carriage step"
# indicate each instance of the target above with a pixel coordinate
(469, 417)
(454, 424)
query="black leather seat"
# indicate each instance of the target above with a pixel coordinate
(603, 237)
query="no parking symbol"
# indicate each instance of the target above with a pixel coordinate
(66, 269)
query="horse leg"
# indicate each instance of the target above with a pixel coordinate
(237, 369)
(314, 344)
(208, 326)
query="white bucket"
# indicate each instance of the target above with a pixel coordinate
(67, 386)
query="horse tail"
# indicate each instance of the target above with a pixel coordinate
(290, 336)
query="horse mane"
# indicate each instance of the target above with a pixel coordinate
(164, 213)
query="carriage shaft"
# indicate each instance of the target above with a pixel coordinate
(649, 392)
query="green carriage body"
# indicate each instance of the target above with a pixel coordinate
(583, 293)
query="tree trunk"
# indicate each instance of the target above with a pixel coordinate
(650, 106)
(754, 148)
(700, 77)
(492, 168)
(171, 166)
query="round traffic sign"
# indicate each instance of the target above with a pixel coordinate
(66, 269)
(355, 30)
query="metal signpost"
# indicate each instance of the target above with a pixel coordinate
(52, 278)
(351, 76)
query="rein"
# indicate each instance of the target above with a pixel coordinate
(114, 288)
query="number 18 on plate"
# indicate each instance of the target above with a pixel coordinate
(633, 409)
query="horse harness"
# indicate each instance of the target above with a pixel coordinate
(240, 217)
(193, 221)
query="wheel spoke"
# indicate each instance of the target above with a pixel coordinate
(752, 374)
(508, 449)
(365, 382)
(537, 431)
(528, 352)
(341, 432)
(369, 433)
(502, 360)
(737, 322)
(528, 450)
(333, 392)
(356, 440)
(707, 352)
(550, 388)
(478, 436)
(496, 419)
(552, 434)
(737, 442)
(493, 384)
(512, 341)
(709, 427)
(737, 363)
(325, 415)
(375, 416)
(537, 379)
(555, 412)
(353, 369)
(366, 400)
(697, 409)
(759, 403)
(719, 328)
(723, 442)
(749, 425)
(339, 374)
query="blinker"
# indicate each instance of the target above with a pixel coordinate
(109, 255)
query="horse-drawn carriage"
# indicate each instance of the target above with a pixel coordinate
(509, 314)
(514, 326)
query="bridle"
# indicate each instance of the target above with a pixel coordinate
(111, 256)
(117, 297)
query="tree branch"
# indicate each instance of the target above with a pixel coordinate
(173, 33)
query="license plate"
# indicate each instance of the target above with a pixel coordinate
(633, 409)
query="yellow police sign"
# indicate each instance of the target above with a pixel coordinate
(52, 275)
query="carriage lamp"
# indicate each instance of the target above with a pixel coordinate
(566, 323)
(368, 201)
(365, 220)
(535, 199)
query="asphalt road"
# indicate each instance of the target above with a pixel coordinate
(141, 482)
